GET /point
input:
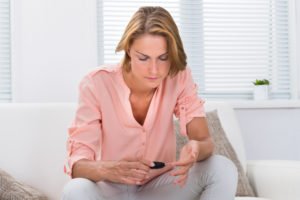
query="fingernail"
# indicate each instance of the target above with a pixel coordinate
(152, 164)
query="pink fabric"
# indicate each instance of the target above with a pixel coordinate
(104, 127)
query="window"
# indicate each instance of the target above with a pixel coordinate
(229, 43)
(244, 40)
(113, 16)
(5, 69)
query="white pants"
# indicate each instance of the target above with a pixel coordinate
(212, 179)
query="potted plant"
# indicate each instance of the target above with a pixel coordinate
(261, 89)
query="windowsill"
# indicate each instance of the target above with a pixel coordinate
(264, 104)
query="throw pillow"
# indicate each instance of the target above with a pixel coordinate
(10, 189)
(222, 147)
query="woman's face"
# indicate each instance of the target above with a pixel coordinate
(150, 63)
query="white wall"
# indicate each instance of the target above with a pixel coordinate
(55, 44)
(271, 133)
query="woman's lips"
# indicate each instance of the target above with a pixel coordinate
(152, 78)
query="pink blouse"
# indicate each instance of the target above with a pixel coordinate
(104, 127)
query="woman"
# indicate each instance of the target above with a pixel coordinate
(124, 122)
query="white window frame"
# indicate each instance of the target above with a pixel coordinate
(294, 66)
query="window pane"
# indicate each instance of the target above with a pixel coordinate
(5, 68)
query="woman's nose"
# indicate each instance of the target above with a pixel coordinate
(153, 67)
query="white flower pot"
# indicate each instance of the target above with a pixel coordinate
(261, 92)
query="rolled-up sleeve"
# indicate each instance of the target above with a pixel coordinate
(85, 135)
(188, 104)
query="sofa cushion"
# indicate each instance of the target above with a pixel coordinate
(222, 147)
(12, 189)
(250, 198)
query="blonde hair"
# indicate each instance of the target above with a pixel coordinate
(154, 21)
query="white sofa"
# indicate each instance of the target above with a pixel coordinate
(32, 150)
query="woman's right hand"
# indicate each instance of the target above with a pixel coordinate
(126, 171)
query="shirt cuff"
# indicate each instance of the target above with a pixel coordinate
(81, 153)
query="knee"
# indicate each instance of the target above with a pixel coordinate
(220, 167)
(77, 188)
(225, 166)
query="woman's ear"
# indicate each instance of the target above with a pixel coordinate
(128, 53)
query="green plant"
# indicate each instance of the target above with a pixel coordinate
(261, 82)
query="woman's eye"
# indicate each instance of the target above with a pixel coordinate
(164, 58)
(143, 59)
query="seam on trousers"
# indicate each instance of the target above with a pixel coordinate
(127, 192)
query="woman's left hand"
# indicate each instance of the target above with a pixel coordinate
(188, 156)
(157, 172)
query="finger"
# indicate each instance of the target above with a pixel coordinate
(132, 173)
(139, 166)
(189, 151)
(137, 174)
(130, 181)
(127, 181)
(134, 165)
(138, 159)
(133, 178)
(147, 162)
(181, 180)
(180, 171)
(183, 162)
(140, 171)
(145, 165)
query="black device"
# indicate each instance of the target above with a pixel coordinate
(157, 165)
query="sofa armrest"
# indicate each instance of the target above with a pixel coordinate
(275, 179)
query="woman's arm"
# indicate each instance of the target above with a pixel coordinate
(88, 169)
(124, 171)
(199, 147)
(198, 134)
